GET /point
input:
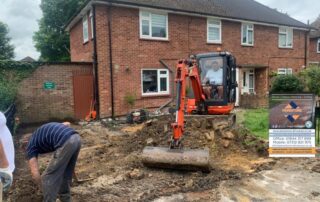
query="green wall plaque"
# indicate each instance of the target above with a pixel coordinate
(49, 85)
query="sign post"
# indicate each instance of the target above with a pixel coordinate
(292, 125)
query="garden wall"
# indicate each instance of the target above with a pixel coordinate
(47, 94)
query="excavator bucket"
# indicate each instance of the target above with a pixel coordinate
(182, 159)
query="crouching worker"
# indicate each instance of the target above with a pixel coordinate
(65, 143)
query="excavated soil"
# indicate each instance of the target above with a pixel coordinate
(109, 166)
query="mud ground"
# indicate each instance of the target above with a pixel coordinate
(109, 167)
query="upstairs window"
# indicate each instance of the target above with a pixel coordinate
(153, 25)
(155, 81)
(213, 31)
(247, 34)
(318, 46)
(284, 71)
(285, 37)
(85, 28)
(91, 23)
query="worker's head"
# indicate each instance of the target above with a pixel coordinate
(215, 65)
(66, 123)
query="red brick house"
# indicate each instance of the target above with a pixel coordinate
(314, 47)
(135, 44)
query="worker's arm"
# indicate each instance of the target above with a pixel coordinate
(3, 158)
(34, 167)
(5, 173)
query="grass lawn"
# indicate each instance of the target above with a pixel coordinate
(256, 120)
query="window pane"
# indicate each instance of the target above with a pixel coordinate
(244, 82)
(281, 29)
(150, 81)
(251, 81)
(159, 24)
(290, 37)
(159, 32)
(145, 14)
(250, 37)
(214, 34)
(163, 84)
(282, 40)
(145, 27)
(244, 33)
(85, 29)
(214, 23)
(163, 72)
(318, 45)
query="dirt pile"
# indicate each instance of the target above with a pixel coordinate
(109, 166)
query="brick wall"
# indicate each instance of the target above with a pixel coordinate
(80, 51)
(313, 55)
(187, 35)
(36, 104)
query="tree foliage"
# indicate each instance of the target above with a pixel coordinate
(287, 84)
(52, 41)
(6, 49)
(311, 78)
(12, 73)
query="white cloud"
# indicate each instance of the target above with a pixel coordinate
(302, 10)
(22, 18)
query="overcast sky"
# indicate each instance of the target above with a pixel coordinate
(22, 18)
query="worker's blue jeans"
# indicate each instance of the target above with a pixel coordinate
(58, 175)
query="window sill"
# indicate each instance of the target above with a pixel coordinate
(154, 39)
(285, 48)
(211, 42)
(155, 95)
(85, 42)
(247, 45)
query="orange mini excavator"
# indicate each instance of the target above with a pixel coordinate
(213, 81)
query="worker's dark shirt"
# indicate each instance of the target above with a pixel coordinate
(48, 138)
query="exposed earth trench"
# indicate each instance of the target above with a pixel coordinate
(109, 167)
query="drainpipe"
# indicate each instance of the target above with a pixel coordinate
(306, 47)
(95, 63)
(110, 58)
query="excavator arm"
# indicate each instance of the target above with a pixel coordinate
(185, 69)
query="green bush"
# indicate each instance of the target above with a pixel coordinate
(311, 78)
(287, 84)
(12, 73)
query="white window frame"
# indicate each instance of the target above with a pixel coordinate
(286, 32)
(318, 46)
(91, 23)
(246, 88)
(284, 71)
(150, 25)
(214, 26)
(85, 29)
(159, 76)
(247, 34)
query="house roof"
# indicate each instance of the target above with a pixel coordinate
(316, 25)
(247, 10)
(28, 59)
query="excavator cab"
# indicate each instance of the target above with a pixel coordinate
(218, 80)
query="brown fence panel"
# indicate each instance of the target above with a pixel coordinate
(83, 93)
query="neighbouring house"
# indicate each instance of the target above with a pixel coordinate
(314, 47)
(27, 59)
(134, 45)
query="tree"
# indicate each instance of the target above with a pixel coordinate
(287, 84)
(6, 49)
(52, 41)
(311, 78)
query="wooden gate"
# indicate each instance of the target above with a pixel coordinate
(82, 92)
